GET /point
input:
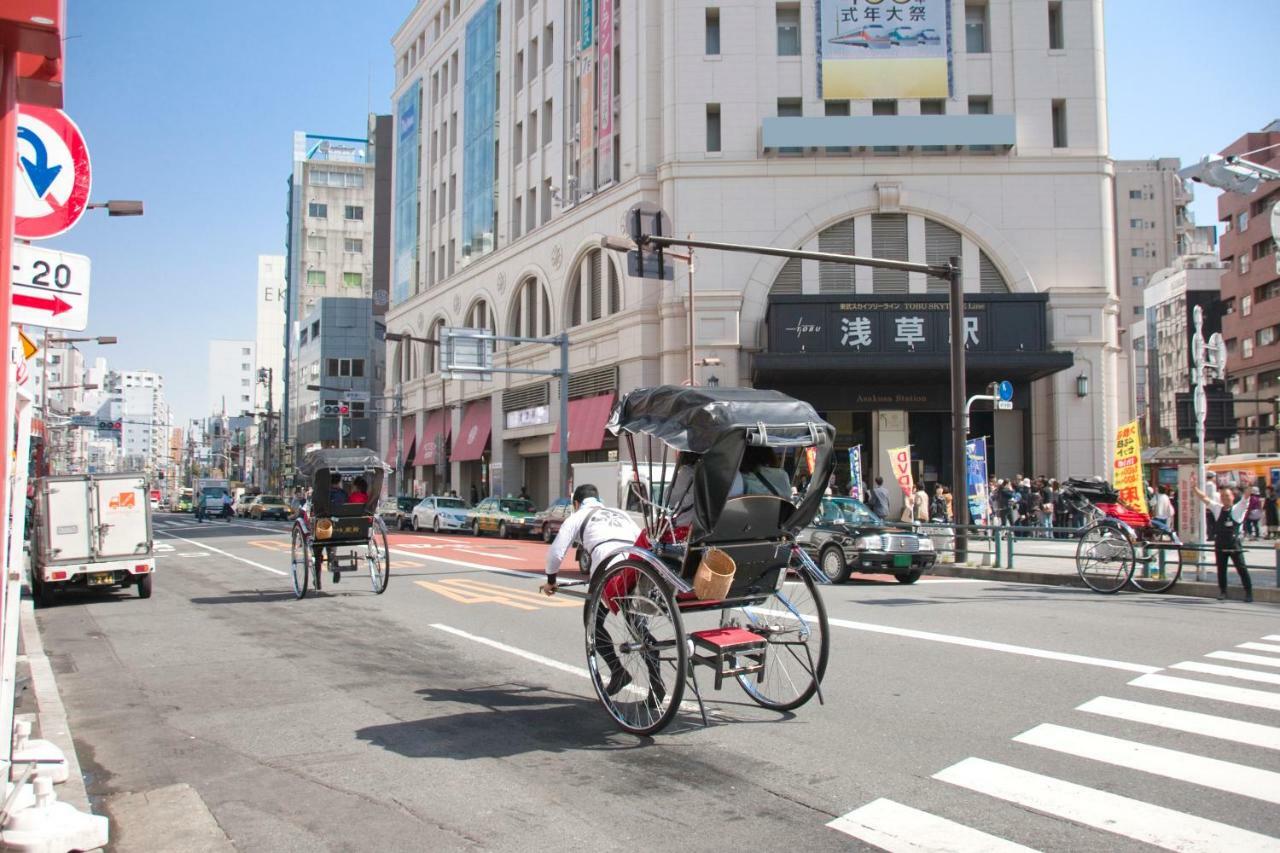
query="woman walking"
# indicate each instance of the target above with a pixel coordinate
(1228, 516)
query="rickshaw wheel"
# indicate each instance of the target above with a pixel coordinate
(631, 617)
(793, 620)
(1104, 558)
(300, 561)
(378, 557)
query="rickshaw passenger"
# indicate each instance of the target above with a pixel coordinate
(337, 494)
(359, 491)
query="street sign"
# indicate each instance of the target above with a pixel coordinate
(52, 181)
(1004, 405)
(29, 347)
(466, 355)
(646, 219)
(88, 421)
(50, 288)
(1004, 392)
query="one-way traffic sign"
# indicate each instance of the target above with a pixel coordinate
(50, 288)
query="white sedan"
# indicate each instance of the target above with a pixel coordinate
(438, 514)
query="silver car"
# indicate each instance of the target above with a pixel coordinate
(440, 514)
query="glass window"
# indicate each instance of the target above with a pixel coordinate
(1267, 336)
(1139, 280)
(533, 60)
(788, 19)
(1135, 195)
(975, 28)
(548, 42)
(353, 213)
(315, 243)
(1246, 348)
(713, 32)
(547, 125)
(1136, 252)
(1244, 264)
(315, 277)
(517, 144)
(1136, 223)
(713, 127)
(317, 210)
(979, 105)
(519, 69)
(1059, 116)
(790, 107)
(1242, 220)
(352, 279)
(1246, 306)
(354, 245)
(1055, 25)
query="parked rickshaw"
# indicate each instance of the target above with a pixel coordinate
(1120, 545)
(716, 580)
(344, 537)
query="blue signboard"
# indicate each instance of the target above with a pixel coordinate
(588, 22)
(405, 234)
(478, 132)
(976, 480)
(855, 471)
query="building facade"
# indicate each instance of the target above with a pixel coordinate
(525, 132)
(269, 378)
(233, 377)
(145, 421)
(1250, 287)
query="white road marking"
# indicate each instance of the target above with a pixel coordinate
(1192, 722)
(396, 552)
(512, 650)
(1112, 813)
(901, 829)
(1228, 671)
(1275, 637)
(989, 645)
(225, 554)
(1259, 647)
(1240, 657)
(1171, 763)
(1210, 690)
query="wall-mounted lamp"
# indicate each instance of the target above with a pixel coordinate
(1082, 385)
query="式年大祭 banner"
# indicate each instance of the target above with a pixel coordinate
(884, 49)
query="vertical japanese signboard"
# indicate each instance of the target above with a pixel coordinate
(855, 471)
(976, 480)
(900, 459)
(605, 65)
(405, 234)
(1128, 467)
(884, 49)
(587, 102)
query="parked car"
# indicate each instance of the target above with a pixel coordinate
(505, 516)
(547, 523)
(184, 503)
(845, 536)
(397, 513)
(268, 506)
(438, 514)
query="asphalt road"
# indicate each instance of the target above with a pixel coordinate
(453, 712)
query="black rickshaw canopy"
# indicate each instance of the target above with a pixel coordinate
(345, 460)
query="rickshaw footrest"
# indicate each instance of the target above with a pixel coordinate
(728, 651)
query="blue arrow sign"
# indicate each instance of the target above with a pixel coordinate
(42, 175)
(1004, 390)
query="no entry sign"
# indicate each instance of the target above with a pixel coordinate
(52, 182)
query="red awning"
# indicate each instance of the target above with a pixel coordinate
(437, 427)
(587, 418)
(473, 432)
(401, 452)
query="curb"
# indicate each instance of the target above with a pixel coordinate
(1194, 589)
(52, 715)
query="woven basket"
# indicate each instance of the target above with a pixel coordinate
(714, 576)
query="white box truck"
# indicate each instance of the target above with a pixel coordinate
(614, 482)
(91, 531)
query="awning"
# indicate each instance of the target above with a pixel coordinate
(587, 417)
(406, 445)
(473, 432)
(435, 429)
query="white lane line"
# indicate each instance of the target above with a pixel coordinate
(1240, 657)
(1228, 671)
(1210, 690)
(1274, 637)
(989, 645)
(1112, 813)
(223, 553)
(1192, 722)
(1170, 763)
(1259, 647)
(901, 829)
(512, 650)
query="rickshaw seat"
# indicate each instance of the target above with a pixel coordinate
(750, 518)
(751, 529)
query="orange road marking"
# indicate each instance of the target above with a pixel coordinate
(271, 544)
(467, 591)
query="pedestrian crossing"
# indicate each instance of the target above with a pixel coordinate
(1219, 704)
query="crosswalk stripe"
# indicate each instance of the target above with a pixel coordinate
(1171, 763)
(1228, 671)
(1240, 657)
(1274, 637)
(1259, 647)
(1108, 812)
(1192, 722)
(894, 827)
(1209, 690)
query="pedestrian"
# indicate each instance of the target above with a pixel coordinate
(878, 500)
(1271, 513)
(227, 500)
(475, 495)
(938, 509)
(1253, 519)
(1162, 509)
(920, 505)
(1228, 514)
(524, 492)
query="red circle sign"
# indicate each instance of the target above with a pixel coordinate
(51, 186)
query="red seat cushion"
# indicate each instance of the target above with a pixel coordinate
(726, 638)
(1128, 516)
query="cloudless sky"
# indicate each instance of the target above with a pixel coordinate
(191, 107)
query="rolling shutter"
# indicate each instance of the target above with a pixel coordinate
(990, 279)
(889, 241)
(789, 279)
(836, 278)
(941, 244)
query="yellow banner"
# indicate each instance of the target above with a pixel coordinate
(1128, 467)
(900, 459)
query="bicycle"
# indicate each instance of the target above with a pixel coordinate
(1119, 545)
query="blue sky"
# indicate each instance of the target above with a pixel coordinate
(192, 106)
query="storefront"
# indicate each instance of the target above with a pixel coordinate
(878, 368)
(471, 451)
(433, 450)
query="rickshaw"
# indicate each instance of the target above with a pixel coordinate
(341, 536)
(711, 476)
(1119, 544)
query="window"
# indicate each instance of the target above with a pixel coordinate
(516, 219)
(975, 28)
(1267, 336)
(353, 213)
(531, 310)
(591, 299)
(547, 125)
(1135, 195)
(246, 366)
(315, 243)
(788, 17)
(1244, 264)
(548, 42)
(453, 255)
(1136, 223)
(1246, 306)
(1055, 24)
(352, 279)
(453, 132)
(245, 351)
(317, 210)
(519, 69)
(352, 245)
(713, 127)
(533, 132)
(1246, 348)
(533, 60)
(1137, 310)
(1137, 252)
(979, 105)
(546, 201)
(517, 144)
(1139, 280)
(790, 107)
(933, 107)
(1242, 220)
(453, 193)
(713, 32)
(1059, 116)
(531, 210)
(315, 277)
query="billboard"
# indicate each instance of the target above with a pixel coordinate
(884, 49)
(479, 131)
(405, 234)
(605, 65)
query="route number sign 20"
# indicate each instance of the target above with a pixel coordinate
(50, 288)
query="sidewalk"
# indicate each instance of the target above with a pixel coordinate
(1052, 562)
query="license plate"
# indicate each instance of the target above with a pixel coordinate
(902, 561)
(101, 579)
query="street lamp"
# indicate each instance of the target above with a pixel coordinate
(1082, 385)
(118, 207)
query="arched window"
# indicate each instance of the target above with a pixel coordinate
(433, 350)
(594, 288)
(530, 310)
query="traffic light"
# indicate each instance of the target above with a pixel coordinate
(344, 409)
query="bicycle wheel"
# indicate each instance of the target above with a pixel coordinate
(1160, 569)
(300, 562)
(793, 620)
(1104, 558)
(636, 646)
(378, 557)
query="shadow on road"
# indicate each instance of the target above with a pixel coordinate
(244, 596)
